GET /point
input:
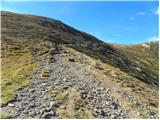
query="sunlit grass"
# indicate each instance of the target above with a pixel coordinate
(17, 66)
(5, 115)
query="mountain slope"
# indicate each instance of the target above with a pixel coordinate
(144, 55)
(55, 58)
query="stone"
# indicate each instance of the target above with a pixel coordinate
(47, 115)
(53, 104)
(43, 84)
(65, 87)
(11, 105)
(64, 79)
(138, 113)
(103, 113)
(113, 116)
(71, 59)
(25, 112)
(38, 112)
(32, 105)
(31, 90)
(56, 84)
(48, 109)
(115, 105)
(32, 113)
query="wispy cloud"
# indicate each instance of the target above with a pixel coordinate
(110, 41)
(140, 13)
(156, 11)
(153, 38)
(6, 9)
(131, 18)
(127, 28)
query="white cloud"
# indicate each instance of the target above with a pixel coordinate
(154, 11)
(6, 9)
(153, 38)
(140, 13)
(127, 28)
(157, 11)
(131, 18)
(109, 41)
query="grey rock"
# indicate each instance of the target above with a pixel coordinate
(43, 84)
(31, 90)
(32, 105)
(11, 105)
(47, 115)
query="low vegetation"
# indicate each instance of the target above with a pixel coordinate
(33, 41)
(5, 115)
(17, 66)
(45, 73)
(73, 106)
(20, 59)
(70, 104)
(144, 55)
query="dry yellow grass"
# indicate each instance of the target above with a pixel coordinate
(17, 65)
(73, 106)
(5, 115)
(20, 59)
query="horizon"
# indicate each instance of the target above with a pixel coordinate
(123, 22)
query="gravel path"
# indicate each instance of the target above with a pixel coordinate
(34, 100)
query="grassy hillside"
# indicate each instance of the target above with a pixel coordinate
(145, 56)
(19, 62)
(20, 57)
(32, 43)
(34, 27)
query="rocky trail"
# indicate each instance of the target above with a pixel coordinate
(38, 100)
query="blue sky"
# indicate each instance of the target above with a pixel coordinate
(117, 22)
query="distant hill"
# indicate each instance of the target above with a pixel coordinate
(57, 71)
(145, 56)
